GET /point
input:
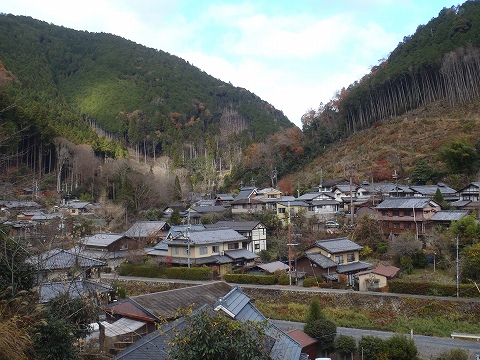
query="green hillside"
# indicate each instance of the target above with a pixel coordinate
(144, 98)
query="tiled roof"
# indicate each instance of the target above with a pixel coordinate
(238, 306)
(121, 326)
(208, 209)
(75, 288)
(207, 237)
(241, 254)
(353, 266)
(166, 304)
(236, 225)
(406, 203)
(58, 259)
(334, 246)
(321, 260)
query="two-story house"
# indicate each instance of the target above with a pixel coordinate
(470, 192)
(223, 248)
(331, 257)
(254, 231)
(397, 215)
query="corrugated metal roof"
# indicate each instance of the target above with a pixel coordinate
(273, 266)
(121, 326)
(101, 240)
(449, 215)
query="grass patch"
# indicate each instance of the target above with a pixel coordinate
(374, 319)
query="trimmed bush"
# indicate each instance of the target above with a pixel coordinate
(250, 279)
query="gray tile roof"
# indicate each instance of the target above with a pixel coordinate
(430, 190)
(238, 306)
(244, 193)
(353, 267)
(321, 260)
(58, 259)
(236, 225)
(241, 254)
(406, 203)
(146, 229)
(273, 266)
(208, 209)
(334, 246)
(207, 237)
(75, 288)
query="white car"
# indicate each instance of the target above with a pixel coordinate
(332, 224)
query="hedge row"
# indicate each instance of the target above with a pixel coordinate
(431, 288)
(250, 279)
(155, 271)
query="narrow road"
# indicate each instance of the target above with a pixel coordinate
(427, 345)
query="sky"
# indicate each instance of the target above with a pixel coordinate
(294, 54)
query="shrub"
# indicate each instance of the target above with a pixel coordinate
(453, 354)
(250, 279)
(283, 279)
(310, 282)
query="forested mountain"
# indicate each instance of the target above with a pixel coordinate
(435, 72)
(145, 99)
(62, 88)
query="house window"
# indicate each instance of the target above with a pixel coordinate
(203, 250)
(244, 244)
(272, 196)
(339, 259)
(175, 250)
(281, 210)
(233, 246)
(350, 257)
(396, 225)
(407, 213)
(395, 212)
(185, 251)
(257, 246)
(215, 249)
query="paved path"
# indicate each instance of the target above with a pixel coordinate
(427, 345)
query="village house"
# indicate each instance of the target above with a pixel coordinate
(148, 232)
(376, 278)
(331, 258)
(59, 264)
(398, 215)
(254, 231)
(110, 247)
(222, 248)
(469, 192)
